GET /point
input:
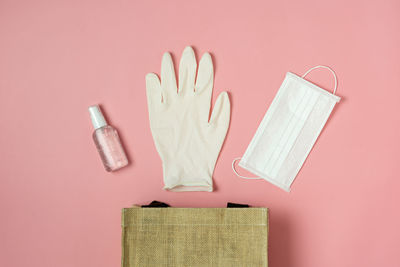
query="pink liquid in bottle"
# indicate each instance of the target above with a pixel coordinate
(107, 141)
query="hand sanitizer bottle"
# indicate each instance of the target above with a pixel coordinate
(107, 141)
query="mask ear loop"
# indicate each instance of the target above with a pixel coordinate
(323, 67)
(244, 177)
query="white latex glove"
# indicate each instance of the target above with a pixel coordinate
(186, 140)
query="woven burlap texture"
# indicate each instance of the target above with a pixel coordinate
(191, 237)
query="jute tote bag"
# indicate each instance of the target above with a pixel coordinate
(189, 237)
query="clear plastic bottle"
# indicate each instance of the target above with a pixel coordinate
(107, 141)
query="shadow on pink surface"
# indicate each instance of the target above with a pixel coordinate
(279, 241)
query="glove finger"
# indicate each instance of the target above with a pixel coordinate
(220, 115)
(204, 85)
(153, 91)
(168, 80)
(187, 71)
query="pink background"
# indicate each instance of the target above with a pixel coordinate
(60, 208)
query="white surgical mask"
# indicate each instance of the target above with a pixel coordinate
(288, 130)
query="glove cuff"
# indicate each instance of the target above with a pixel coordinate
(179, 179)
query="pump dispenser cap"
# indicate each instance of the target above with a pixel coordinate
(97, 117)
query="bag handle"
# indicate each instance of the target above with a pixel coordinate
(323, 67)
(238, 175)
